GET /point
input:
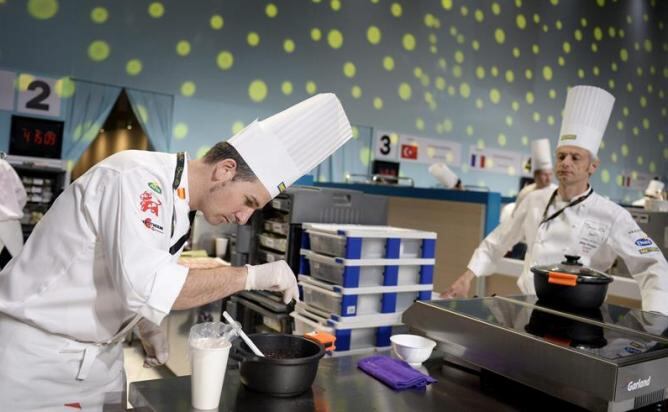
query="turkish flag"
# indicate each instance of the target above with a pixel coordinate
(409, 151)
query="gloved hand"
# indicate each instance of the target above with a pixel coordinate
(276, 277)
(154, 343)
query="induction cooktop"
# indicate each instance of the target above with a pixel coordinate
(611, 359)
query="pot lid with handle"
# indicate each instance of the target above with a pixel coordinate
(572, 270)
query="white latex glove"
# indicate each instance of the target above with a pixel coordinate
(154, 343)
(276, 277)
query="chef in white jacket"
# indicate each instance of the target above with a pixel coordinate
(654, 191)
(541, 168)
(445, 176)
(12, 201)
(574, 219)
(104, 255)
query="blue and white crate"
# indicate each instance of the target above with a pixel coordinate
(368, 242)
(353, 273)
(373, 300)
(353, 335)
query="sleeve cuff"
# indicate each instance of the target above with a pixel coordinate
(654, 301)
(480, 264)
(166, 288)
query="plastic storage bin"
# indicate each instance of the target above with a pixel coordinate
(353, 273)
(351, 336)
(273, 242)
(368, 242)
(266, 256)
(361, 301)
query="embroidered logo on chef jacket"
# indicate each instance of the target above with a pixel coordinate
(645, 245)
(181, 193)
(281, 187)
(592, 235)
(148, 204)
(152, 225)
(644, 242)
(155, 187)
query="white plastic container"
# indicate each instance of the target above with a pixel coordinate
(361, 301)
(351, 334)
(335, 240)
(367, 272)
(273, 242)
(209, 347)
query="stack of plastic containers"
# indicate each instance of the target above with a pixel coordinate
(356, 281)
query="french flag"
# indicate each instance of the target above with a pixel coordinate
(478, 160)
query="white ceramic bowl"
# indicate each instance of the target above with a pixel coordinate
(413, 349)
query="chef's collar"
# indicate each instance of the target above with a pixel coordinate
(560, 199)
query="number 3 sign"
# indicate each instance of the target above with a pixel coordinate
(38, 95)
(386, 145)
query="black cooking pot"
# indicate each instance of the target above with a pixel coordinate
(288, 368)
(567, 331)
(569, 284)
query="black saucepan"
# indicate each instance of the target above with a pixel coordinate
(567, 331)
(569, 284)
(288, 368)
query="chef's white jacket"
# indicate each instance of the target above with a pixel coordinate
(12, 193)
(12, 201)
(596, 229)
(98, 258)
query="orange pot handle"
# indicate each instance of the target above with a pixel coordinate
(323, 338)
(564, 279)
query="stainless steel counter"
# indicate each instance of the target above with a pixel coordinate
(340, 386)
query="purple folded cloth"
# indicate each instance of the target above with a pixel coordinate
(394, 373)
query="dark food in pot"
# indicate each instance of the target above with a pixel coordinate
(288, 368)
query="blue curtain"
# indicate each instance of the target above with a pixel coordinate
(89, 109)
(154, 112)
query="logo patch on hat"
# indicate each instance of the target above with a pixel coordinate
(281, 187)
(567, 137)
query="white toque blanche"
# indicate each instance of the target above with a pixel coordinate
(541, 155)
(586, 114)
(444, 175)
(654, 188)
(285, 146)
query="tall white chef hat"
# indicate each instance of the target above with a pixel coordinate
(443, 174)
(586, 114)
(654, 188)
(285, 146)
(541, 156)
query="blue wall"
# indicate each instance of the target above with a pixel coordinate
(485, 73)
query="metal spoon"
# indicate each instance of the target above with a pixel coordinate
(243, 335)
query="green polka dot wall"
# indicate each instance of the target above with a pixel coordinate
(490, 74)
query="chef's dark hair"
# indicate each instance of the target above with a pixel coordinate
(224, 150)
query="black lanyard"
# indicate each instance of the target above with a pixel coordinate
(560, 211)
(178, 173)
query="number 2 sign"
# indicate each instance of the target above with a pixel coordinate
(38, 95)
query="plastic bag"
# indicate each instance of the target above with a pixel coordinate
(211, 335)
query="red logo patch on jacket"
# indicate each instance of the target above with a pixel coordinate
(148, 204)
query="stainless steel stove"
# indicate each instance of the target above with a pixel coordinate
(609, 359)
